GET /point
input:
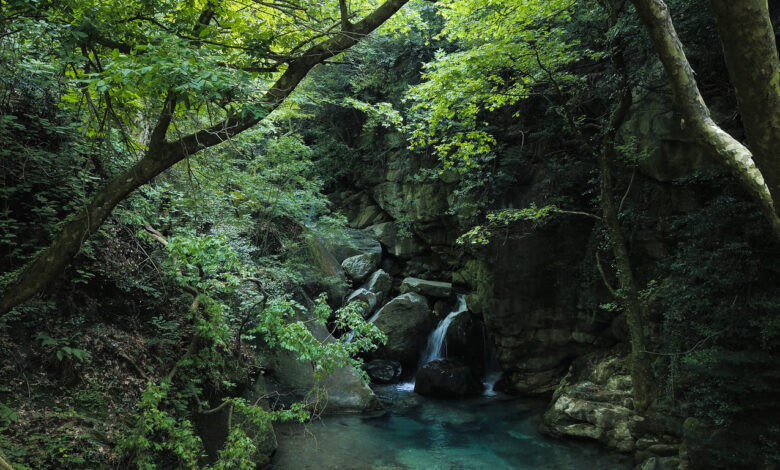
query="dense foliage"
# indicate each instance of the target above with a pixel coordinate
(168, 312)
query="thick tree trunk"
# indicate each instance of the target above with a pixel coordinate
(748, 40)
(50, 263)
(735, 156)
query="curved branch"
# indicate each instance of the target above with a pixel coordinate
(696, 116)
(161, 155)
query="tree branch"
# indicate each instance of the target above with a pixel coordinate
(161, 155)
(696, 116)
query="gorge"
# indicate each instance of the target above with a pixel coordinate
(389, 234)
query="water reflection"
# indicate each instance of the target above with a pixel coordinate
(422, 433)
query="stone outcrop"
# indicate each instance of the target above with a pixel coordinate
(397, 244)
(434, 289)
(594, 401)
(406, 320)
(529, 298)
(465, 340)
(355, 242)
(447, 378)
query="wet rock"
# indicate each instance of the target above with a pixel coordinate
(383, 371)
(406, 320)
(358, 267)
(427, 288)
(379, 283)
(590, 402)
(659, 463)
(447, 378)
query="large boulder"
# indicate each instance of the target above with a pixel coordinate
(292, 380)
(447, 378)
(465, 340)
(383, 371)
(325, 273)
(379, 284)
(424, 202)
(427, 288)
(406, 320)
(594, 401)
(358, 267)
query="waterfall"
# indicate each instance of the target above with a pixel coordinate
(437, 342)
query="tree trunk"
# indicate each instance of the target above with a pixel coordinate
(641, 370)
(696, 117)
(50, 263)
(748, 41)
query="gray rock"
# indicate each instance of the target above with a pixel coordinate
(325, 273)
(354, 242)
(424, 202)
(358, 267)
(447, 378)
(589, 403)
(659, 463)
(364, 295)
(406, 320)
(379, 283)
(426, 287)
(383, 371)
(398, 245)
(343, 391)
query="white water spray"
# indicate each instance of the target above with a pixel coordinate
(437, 342)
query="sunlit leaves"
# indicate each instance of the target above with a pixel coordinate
(507, 50)
(502, 220)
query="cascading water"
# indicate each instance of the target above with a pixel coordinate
(436, 348)
(437, 342)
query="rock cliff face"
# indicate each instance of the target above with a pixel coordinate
(538, 295)
(526, 291)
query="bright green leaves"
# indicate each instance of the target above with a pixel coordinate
(379, 114)
(206, 262)
(144, 446)
(503, 220)
(507, 50)
(284, 325)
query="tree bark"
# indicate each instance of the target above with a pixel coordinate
(748, 41)
(696, 117)
(50, 262)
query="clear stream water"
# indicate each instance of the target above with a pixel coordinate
(424, 433)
